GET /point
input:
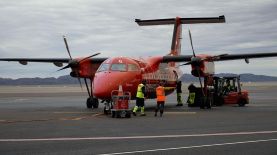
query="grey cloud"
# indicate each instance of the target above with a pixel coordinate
(34, 28)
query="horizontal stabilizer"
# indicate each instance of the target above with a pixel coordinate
(220, 19)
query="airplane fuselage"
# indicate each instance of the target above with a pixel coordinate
(129, 72)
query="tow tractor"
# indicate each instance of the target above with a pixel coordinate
(232, 95)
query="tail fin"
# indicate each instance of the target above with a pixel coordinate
(176, 38)
(177, 32)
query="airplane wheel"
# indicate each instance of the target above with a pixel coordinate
(118, 114)
(89, 103)
(128, 115)
(106, 111)
(242, 102)
(92, 102)
(219, 102)
(113, 114)
(95, 102)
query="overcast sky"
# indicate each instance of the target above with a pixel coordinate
(34, 28)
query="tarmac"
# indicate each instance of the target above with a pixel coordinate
(54, 120)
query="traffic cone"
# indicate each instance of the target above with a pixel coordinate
(120, 90)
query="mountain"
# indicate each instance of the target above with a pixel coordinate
(39, 81)
(246, 77)
(70, 80)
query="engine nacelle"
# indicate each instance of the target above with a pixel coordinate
(206, 68)
(85, 69)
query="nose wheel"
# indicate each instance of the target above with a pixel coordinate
(92, 102)
(107, 108)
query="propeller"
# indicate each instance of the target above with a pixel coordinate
(74, 63)
(195, 60)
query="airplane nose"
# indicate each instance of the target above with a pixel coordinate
(101, 88)
(106, 82)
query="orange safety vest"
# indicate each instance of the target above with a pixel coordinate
(160, 93)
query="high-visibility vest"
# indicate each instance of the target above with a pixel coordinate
(139, 91)
(191, 98)
(160, 93)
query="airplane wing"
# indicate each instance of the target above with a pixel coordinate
(57, 61)
(245, 56)
(223, 57)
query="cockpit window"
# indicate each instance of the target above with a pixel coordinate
(133, 67)
(118, 67)
(103, 67)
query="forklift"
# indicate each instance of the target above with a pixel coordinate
(227, 90)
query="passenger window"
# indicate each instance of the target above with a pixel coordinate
(118, 67)
(133, 67)
(103, 67)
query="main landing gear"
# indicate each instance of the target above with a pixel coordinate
(91, 101)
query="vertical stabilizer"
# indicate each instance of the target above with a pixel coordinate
(176, 40)
(177, 31)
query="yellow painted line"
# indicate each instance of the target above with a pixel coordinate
(98, 114)
(72, 112)
(64, 119)
(181, 113)
(78, 118)
(24, 121)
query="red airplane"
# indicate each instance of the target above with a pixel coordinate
(106, 74)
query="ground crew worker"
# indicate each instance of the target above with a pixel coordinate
(191, 97)
(179, 93)
(160, 93)
(140, 99)
(227, 88)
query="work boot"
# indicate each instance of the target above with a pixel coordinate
(142, 114)
(134, 114)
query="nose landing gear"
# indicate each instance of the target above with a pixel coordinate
(92, 102)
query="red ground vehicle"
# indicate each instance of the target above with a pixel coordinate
(232, 95)
(120, 107)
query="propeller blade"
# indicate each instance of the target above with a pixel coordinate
(65, 67)
(200, 81)
(88, 57)
(80, 83)
(188, 63)
(191, 44)
(67, 48)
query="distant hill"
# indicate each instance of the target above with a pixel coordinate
(70, 80)
(39, 81)
(246, 77)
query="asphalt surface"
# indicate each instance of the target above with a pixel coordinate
(54, 120)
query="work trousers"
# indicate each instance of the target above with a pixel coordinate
(139, 104)
(160, 106)
(179, 98)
